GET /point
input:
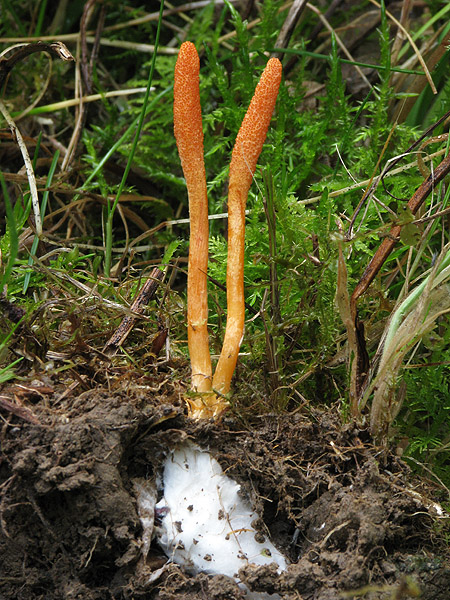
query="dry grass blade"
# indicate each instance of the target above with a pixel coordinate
(418, 84)
(373, 184)
(339, 43)
(413, 45)
(6, 64)
(74, 37)
(24, 50)
(421, 319)
(343, 304)
(400, 36)
(289, 25)
(28, 167)
(91, 98)
(377, 262)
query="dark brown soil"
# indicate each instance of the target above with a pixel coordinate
(350, 517)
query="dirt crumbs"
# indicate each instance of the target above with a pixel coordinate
(352, 521)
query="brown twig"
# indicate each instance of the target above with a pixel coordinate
(146, 293)
(373, 268)
(289, 25)
(393, 236)
(6, 64)
(20, 411)
(88, 63)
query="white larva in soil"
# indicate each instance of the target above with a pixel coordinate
(205, 524)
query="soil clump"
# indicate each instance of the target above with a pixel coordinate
(351, 518)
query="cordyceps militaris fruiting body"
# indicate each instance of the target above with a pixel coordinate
(187, 120)
(205, 523)
(209, 398)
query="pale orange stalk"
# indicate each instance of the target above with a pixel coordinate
(249, 142)
(246, 151)
(187, 118)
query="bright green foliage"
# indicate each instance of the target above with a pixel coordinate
(426, 415)
(9, 244)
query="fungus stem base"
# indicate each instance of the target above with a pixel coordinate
(206, 405)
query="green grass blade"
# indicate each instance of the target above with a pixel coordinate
(8, 7)
(426, 26)
(6, 374)
(346, 61)
(111, 210)
(13, 235)
(41, 17)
